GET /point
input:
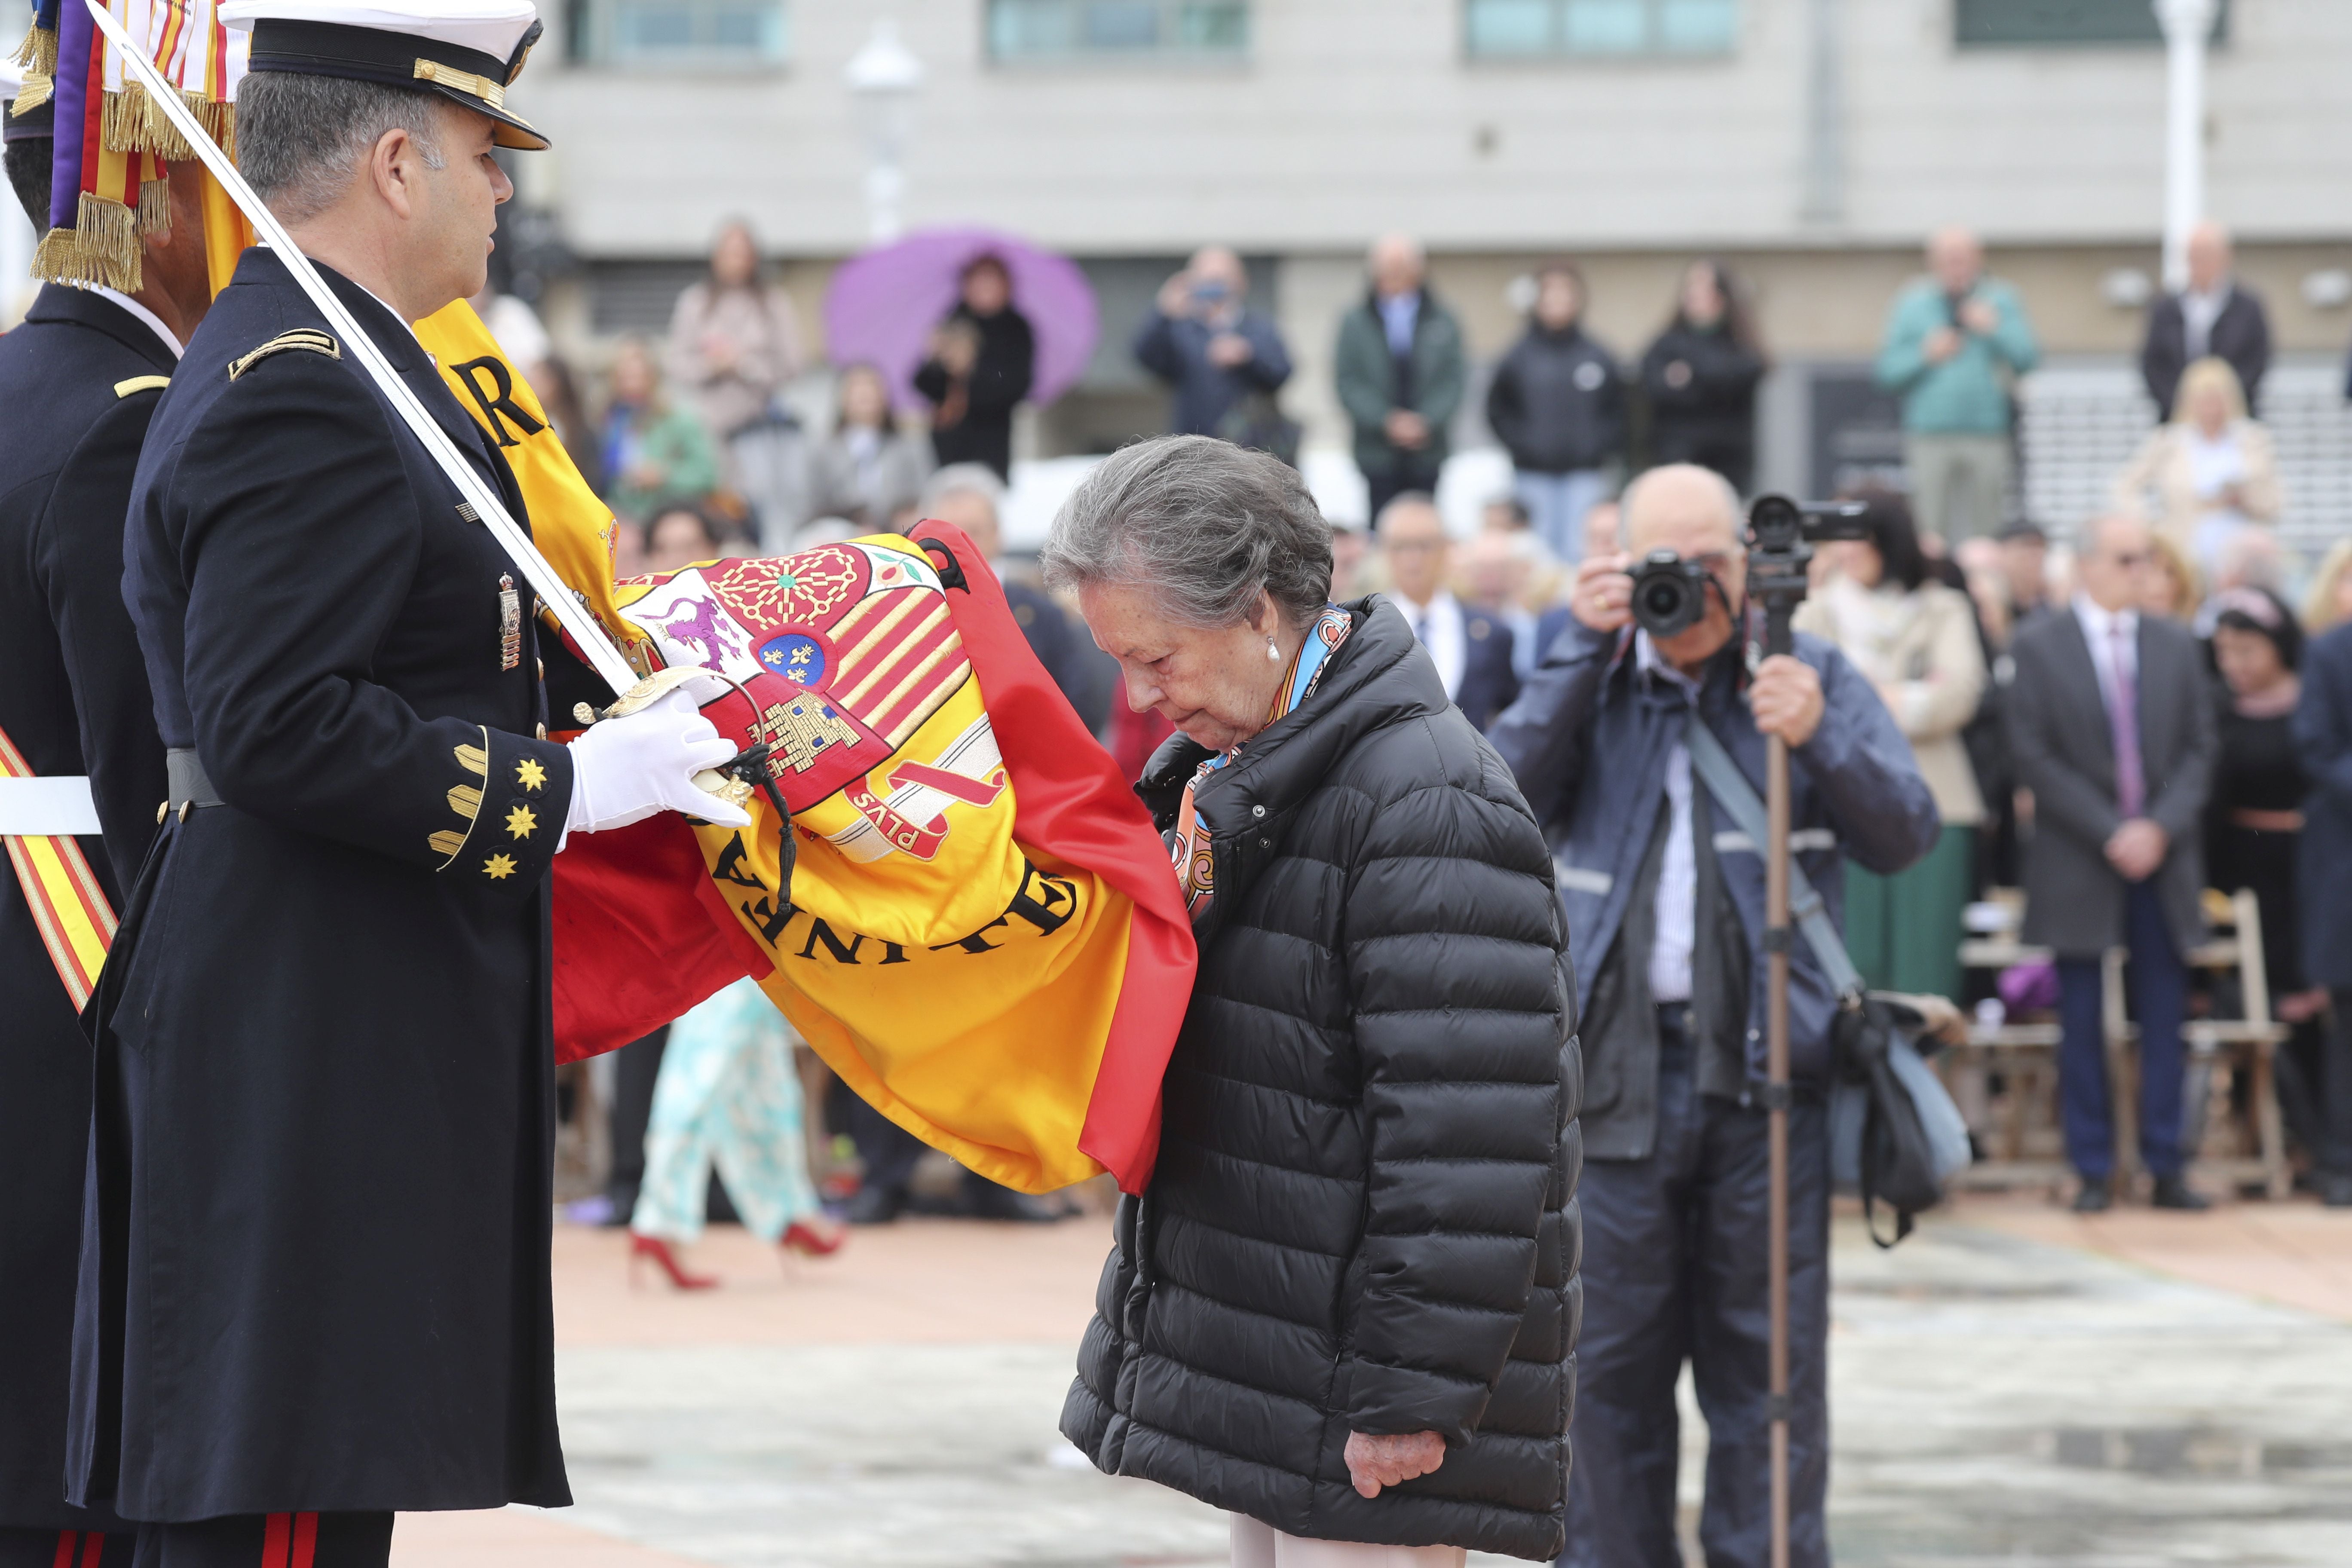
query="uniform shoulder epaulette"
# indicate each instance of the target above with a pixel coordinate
(140, 384)
(308, 338)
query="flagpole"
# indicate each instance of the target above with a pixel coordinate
(553, 591)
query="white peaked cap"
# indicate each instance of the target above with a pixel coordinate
(487, 26)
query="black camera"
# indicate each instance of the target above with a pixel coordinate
(1670, 593)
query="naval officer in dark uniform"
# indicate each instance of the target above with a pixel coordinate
(79, 381)
(314, 1283)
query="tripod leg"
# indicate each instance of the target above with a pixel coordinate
(1779, 935)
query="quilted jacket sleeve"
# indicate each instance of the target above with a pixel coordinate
(1456, 955)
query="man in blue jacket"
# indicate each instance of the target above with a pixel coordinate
(1203, 339)
(1665, 911)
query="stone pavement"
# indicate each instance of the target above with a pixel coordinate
(2010, 1386)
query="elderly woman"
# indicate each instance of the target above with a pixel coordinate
(1345, 1308)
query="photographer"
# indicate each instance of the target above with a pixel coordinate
(1956, 342)
(1205, 343)
(1665, 913)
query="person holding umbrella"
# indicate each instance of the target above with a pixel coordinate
(978, 365)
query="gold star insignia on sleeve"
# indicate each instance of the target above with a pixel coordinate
(530, 773)
(520, 821)
(497, 868)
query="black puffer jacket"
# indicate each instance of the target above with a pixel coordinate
(1363, 1217)
(1557, 402)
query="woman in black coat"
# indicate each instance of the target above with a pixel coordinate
(981, 361)
(1699, 379)
(1345, 1309)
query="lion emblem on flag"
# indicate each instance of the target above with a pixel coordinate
(841, 656)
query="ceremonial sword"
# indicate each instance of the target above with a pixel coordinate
(589, 637)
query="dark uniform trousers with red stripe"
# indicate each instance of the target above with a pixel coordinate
(64, 1548)
(269, 1541)
(239, 1541)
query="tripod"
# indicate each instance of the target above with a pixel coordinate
(1778, 578)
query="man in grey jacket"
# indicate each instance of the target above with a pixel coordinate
(1665, 913)
(2111, 724)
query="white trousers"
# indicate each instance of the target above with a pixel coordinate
(1259, 1545)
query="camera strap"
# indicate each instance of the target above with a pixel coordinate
(1737, 798)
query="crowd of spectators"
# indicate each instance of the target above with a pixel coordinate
(695, 450)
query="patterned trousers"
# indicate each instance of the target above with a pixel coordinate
(727, 1096)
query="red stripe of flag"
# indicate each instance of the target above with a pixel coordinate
(276, 1534)
(958, 786)
(67, 1539)
(306, 1540)
(947, 671)
(895, 725)
(93, 1548)
(1074, 805)
(895, 650)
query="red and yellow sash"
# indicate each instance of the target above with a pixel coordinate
(76, 924)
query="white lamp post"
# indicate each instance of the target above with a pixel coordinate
(2187, 25)
(883, 77)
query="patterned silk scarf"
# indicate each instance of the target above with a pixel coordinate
(1195, 866)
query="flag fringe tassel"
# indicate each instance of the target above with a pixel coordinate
(39, 52)
(100, 248)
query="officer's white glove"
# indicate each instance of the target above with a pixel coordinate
(624, 769)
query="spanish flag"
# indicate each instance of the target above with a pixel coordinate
(979, 930)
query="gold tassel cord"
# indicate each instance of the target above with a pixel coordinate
(132, 122)
(38, 55)
(155, 206)
(100, 248)
(219, 120)
(39, 52)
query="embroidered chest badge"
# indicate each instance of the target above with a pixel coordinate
(510, 624)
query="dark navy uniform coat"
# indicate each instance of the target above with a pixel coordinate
(78, 381)
(314, 1273)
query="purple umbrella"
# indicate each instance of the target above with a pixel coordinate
(883, 305)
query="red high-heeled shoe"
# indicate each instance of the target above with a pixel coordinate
(810, 1242)
(645, 1247)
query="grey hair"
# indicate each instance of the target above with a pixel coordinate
(1203, 526)
(300, 138)
(963, 479)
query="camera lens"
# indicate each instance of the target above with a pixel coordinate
(1668, 593)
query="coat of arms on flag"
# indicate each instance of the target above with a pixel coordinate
(980, 931)
(977, 928)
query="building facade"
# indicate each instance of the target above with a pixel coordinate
(1811, 142)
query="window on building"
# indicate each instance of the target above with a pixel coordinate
(1520, 29)
(1063, 29)
(1998, 22)
(702, 34)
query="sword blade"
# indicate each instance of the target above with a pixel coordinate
(545, 581)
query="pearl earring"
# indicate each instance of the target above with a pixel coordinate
(1273, 653)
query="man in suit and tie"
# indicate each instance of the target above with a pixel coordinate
(1471, 648)
(2212, 316)
(2112, 729)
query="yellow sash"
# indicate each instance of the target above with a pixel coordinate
(76, 922)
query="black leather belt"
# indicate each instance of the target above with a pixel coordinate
(184, 776)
